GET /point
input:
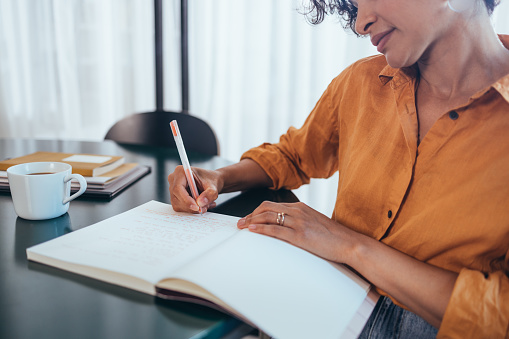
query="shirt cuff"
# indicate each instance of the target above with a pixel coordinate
(277, 166)
(478, 307)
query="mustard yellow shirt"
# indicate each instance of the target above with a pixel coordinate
(444, 201)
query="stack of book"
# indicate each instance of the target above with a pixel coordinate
(106, 176)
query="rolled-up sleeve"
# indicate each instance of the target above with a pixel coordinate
(304, 153)
(479, 306)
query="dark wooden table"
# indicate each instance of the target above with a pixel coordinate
(38, 301)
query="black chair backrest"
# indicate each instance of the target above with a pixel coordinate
(153, 129)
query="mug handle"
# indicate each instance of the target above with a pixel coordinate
(83, 186)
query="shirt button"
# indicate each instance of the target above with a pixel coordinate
(453, 115)
(389, 214)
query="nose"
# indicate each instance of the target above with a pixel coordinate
(365, 18)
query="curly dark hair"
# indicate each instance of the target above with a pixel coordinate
(318, 9)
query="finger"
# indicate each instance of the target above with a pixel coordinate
(207, 197)
(241, 224)
(180, 206)
(266, 218)
(274, 231)
(267, 210)
(185, 198)
(178, 176)
(273, 213)
(184, 203)
(179, 195)
(267, 206)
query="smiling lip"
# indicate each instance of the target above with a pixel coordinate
(380, 39)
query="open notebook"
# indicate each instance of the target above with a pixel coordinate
(281, 289)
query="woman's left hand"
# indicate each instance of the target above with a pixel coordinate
(302, 226)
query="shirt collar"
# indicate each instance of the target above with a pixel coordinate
(399, 76)
(502, 85)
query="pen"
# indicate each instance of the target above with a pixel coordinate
(185, 162)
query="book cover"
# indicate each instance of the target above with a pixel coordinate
(89, 165)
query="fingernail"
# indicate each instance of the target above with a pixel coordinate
(241, 222)
(194, 208)
(204, 202)
(252, 227)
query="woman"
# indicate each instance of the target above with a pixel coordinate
(419, 136)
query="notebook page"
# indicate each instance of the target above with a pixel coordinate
(147, 242)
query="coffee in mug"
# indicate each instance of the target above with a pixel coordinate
(42, 190)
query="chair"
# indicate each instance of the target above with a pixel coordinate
(153, 129)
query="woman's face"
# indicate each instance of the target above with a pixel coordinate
(405, 31)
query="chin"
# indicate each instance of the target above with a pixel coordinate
(398, 61)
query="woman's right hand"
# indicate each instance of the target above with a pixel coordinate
(208, 182)
(242, 175)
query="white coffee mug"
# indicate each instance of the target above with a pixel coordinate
(42, 190)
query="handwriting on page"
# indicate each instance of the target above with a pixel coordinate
(152, 237)
(171, 234)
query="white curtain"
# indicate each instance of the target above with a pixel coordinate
(70, 68)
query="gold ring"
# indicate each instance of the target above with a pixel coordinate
(280, 219)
